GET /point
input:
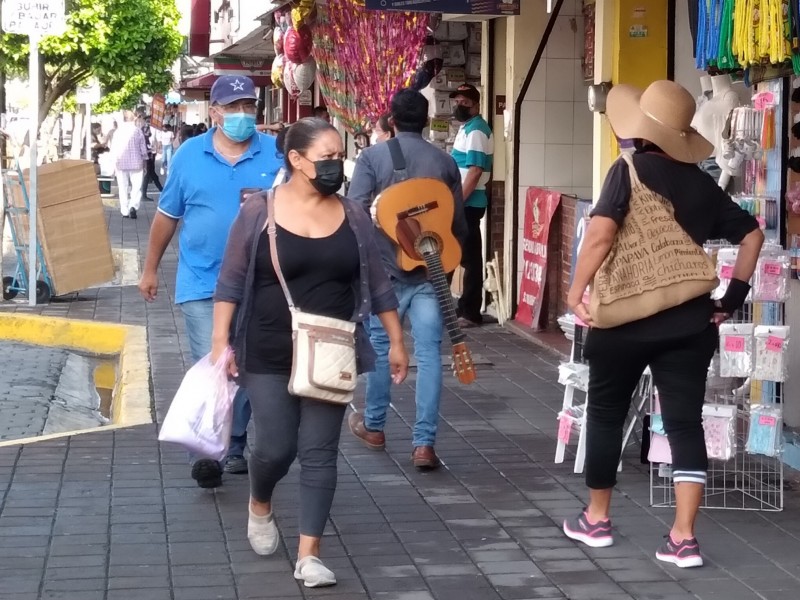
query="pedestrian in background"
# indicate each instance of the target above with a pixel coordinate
(208, 179)
(374, 172)
(129, 150)
(473, 151)
(677, 343)
(165, 141)
(150, 174)
(381, 130)
(327, 253)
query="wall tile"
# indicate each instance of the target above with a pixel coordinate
(538, 86)
(560, 79)
(579, 37)
(571, 7)
(532, 124)
(558, 166)
(561, 43)
(583, 120)
(559, 122)
(580, 85)
(584, 193)
(531, 165)
(582, 165)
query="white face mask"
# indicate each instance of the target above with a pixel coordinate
(373, 139)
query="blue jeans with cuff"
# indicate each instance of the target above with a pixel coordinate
(419, 303)
(199, 318)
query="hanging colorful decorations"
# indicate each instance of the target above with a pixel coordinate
(364, 57)
(277, 40)
(732, 34)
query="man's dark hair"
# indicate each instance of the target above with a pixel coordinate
(410, 111)
(320, 112)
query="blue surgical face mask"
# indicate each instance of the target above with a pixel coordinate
(239, 127)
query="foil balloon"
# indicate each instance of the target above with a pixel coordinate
(297, 44)
(304, 14)
(304, 74)
(289, 81)
(277, 40)
(277, 71)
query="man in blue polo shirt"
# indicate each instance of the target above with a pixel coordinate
(473, 151)
(208, 178)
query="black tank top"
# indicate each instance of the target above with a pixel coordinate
(320, 273)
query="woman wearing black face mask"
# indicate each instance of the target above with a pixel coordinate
(328, 256)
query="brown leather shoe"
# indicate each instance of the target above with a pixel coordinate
(424, 457)
(374, 440)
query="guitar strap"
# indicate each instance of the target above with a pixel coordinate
(398, 160)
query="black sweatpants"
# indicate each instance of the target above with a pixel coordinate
(679, 367)
(287, 427)
(469, 305)
(150, 175)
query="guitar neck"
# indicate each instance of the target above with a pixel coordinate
(444, 296)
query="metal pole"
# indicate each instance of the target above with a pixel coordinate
(33, 188)
(88, 131)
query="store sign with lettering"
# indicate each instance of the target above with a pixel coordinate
(506, 8)
(42, 18)
(540, 206)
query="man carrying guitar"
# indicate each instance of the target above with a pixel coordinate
(407, 155)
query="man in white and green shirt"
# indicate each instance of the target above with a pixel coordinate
(472, 151)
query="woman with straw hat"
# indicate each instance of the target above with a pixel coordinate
(677, 342)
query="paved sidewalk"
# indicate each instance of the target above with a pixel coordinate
(115, 516)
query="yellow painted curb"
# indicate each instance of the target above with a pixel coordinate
(131, 401)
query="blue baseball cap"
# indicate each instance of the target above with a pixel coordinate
(230, 88)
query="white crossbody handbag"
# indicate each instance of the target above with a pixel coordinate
(324, 353)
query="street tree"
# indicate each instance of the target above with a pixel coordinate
(129, 46)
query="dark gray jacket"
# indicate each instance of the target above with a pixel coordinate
(374, 172)
(373, 289)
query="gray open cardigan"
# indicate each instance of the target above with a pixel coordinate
(373, 290)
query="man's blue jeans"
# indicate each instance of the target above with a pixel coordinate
(199, 318)
(419, 303)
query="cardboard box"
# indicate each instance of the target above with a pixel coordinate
(474, 66)
(71, 225)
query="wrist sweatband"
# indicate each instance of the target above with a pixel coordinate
(735, 296)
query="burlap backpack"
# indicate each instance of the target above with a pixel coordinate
(653, 264)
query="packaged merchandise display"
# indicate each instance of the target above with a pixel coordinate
(771, 344)
(726, 259)
(719, 426)
(765, 436)
(735, 350)
(771, 279)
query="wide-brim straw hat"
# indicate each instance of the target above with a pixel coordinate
(661, 114)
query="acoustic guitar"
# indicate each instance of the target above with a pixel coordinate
(417, 214)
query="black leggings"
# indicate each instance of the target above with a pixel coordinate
(679, 367)
(287, 427)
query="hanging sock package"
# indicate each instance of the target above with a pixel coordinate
(771, 279)
(726, 259)
(735, 350)
(719, 427)
(771, 344)
(766, 430)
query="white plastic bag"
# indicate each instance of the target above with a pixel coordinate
(201, 414)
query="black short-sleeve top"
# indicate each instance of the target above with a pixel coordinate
(702, 208)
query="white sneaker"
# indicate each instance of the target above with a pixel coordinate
(262, 533)
(313, 573)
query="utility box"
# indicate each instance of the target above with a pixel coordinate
(71, 226)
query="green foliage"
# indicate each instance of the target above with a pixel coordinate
(128, 45)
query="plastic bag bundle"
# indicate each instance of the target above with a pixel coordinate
(201, 414)
(766, 430)
(735, 350)
(574, 374)
(726, 259)
(771, 343)
(771, 279)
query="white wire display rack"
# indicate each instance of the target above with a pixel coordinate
(746, 481)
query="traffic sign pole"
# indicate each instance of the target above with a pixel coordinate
(33, 187)
(88, 131)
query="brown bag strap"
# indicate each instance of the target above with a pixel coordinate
(273, 246)
(635, 181)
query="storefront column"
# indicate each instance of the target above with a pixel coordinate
(631, 46)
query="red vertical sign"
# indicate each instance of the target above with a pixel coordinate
(540, 206)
